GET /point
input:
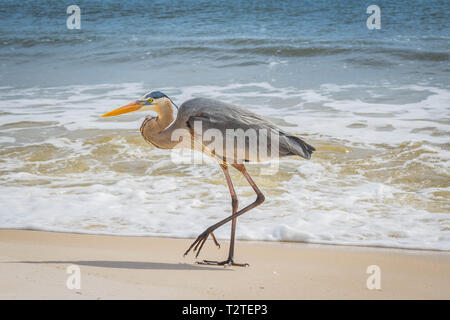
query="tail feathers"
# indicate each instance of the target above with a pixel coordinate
(299, 147)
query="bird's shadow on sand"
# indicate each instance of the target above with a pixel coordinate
(136, 265)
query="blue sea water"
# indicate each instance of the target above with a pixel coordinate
(375, 104)
(168, 43)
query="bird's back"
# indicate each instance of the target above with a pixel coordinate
(220, 110)
(215, 114)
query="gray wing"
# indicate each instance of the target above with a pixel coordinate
(220, 116)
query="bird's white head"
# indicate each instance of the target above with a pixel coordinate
(152, 101)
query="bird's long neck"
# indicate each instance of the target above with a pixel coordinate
(156, 130)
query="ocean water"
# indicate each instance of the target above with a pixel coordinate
(374, 103)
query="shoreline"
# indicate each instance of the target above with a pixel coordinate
(34, 263)
(264, 242)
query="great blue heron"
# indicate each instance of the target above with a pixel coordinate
(165, 132)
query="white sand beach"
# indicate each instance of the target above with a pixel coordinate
(34, 265)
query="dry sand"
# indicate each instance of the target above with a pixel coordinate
(33, 266)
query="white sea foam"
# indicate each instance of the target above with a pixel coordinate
(75, 181)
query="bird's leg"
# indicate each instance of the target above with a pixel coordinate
(198, 243)
(234, 201)
(234, 206)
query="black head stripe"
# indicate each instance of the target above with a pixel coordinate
(158, 95)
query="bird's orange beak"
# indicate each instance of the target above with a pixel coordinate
(133, 106)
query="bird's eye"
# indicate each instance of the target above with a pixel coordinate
(150, 100)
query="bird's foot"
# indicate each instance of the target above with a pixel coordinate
(199, 242)
(215, 240)
(228, 262)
